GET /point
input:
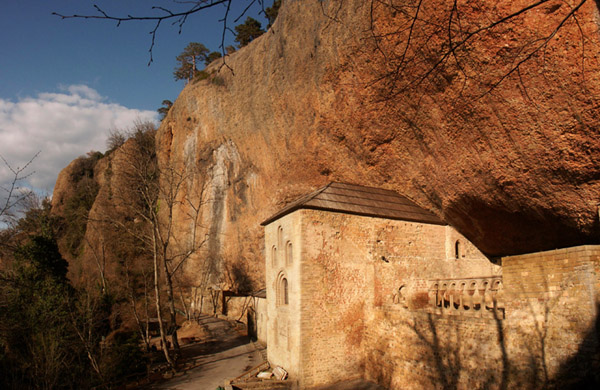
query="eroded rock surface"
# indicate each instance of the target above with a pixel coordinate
(501, 139)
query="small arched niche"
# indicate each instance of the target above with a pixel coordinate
(280, 237)
(289, 255)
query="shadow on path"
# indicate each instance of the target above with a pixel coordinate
(224, 355)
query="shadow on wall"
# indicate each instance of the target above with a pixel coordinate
(448, 352)
(582, 370)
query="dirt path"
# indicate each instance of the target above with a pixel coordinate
(227, 355)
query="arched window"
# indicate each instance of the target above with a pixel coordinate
(274, 255)
(282, 291)
(457, 249)
(284, 285)
(288, 253)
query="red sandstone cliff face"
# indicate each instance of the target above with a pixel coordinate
(507, 156)
(499, 136)
(92, 255)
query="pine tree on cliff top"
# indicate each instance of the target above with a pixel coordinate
(193, 54)
(248, 31)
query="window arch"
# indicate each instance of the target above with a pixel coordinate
(284, 285)
(289, 255)
(282, 291)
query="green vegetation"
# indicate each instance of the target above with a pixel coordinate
(193, 54)
(78, 205)
(52, 335)
(218, 80)
(230, 49)
(179, 17)
(215, 55)
(164, 110)
(272, 12)
(201, 75)
(248, 31)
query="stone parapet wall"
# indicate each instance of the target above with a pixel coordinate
(406, 349)
(551, 273)
(552, 314)
(473, 297)
(548, 337)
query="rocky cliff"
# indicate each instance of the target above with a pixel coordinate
(486, 114)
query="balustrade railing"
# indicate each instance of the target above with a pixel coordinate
(479, 297)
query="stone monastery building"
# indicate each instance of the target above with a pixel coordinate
(363, 283)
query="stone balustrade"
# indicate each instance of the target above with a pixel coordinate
(478, 297)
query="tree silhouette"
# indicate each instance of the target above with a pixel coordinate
(178, 14)
(214, 55)
(193, 53)
(272, 12)
(248, 31)
(13, 194)
(164, 110)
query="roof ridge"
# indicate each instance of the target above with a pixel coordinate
(360, 200)
(310, 196)
(316, 192)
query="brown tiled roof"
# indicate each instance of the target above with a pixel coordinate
(360, 200)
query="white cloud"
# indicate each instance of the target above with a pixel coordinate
(83, 91)
(62, 126)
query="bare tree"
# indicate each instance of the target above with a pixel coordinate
(177, 13)
(136, 192)
(99, 256)
(433, 45)
(147, 196)
(13, 194)
(175, 250)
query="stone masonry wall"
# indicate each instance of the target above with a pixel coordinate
(552, 316)
(352, 269)
(406, 349)
(283, 252)
(360, 295)
(262, 322)
(548, 337)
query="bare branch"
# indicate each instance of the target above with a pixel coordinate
(176, 17)
(12, 199)
(532, 53)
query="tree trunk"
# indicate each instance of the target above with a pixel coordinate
(146, 307)
(171, 298)
(138, 321)
(163, 336)
(186, 309)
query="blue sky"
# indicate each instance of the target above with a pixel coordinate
(64, 84)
